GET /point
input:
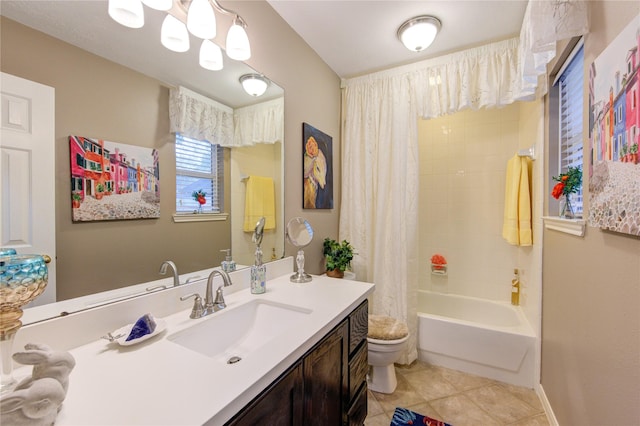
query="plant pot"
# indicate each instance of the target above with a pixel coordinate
(75, 204)
(335, 273)
(99, 195)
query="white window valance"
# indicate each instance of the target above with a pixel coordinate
(198, 117)
(260, 123)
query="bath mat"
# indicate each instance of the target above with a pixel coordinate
(404, 417)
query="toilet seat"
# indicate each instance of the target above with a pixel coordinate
(371, 340)
(384, 328)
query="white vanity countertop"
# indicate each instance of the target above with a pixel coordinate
(159, 382)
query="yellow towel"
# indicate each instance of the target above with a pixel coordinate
(516, 228)
(259, 201)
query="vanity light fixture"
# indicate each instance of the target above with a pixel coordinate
(418, 33)
(238, 47)
(163, 5)
(254, 84)
(174, 35)
(129, 13)
(210, 56)
(200, 22)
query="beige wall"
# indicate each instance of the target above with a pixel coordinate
(97, 98)
(591, 296)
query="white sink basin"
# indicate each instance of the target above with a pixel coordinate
(239, 331)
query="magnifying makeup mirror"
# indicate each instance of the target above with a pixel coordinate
(299, 233)
(258, 232)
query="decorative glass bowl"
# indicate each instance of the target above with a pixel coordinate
(23, 277)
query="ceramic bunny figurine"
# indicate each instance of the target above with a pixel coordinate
(36, 400)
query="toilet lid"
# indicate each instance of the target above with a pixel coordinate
(386, 328)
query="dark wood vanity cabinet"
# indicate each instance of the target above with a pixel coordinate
(327, 386)
(356, 405)
(279, 405)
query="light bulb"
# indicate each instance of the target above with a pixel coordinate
(201, 21)
(159, 4)
(127, 12)
(210, 56)
(174, 35)
(237, 45)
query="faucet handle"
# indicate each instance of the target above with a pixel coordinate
(198, 309)
(219, 303)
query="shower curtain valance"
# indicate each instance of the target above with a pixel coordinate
(492, 75)
(259, 123)
(198, 117)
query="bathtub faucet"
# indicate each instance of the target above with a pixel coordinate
(515, 288)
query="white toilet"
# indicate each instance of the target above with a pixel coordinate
(386, 340)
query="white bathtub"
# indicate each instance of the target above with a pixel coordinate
(477, 336)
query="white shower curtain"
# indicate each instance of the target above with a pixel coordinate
(379, 212)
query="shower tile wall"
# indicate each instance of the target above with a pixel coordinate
(463, 160)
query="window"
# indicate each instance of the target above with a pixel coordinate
(569, 85)
(199, 166)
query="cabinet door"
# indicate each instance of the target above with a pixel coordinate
(325, 380)
(278, 405)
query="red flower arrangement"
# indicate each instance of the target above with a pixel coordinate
(438, 261)
(568, 183)
(199, 196)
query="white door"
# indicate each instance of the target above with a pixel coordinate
(27, 172)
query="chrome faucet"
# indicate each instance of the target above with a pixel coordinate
(163, 271)
(211, 305)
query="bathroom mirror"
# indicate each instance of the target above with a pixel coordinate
(99, 258)
(299, 233)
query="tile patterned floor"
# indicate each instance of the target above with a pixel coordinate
(457, 398)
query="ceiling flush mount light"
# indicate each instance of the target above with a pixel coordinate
(419, 32)
(200, 21)
(127, 12)
(254, 84)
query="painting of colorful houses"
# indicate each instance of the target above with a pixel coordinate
(112, 181)
(614, 133)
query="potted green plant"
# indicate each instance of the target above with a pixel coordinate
(76, 198)
(99, 191)
(634, 153)
(337, 256)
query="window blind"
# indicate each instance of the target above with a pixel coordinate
(199, 166)
(570, 88)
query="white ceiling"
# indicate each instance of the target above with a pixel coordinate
(359, 36)
(353, 37)
(86, 24)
